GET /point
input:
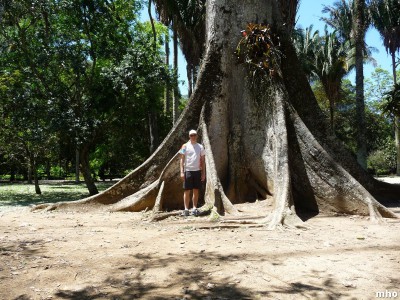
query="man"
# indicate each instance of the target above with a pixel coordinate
(192, 169)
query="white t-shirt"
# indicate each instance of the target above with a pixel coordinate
(192, 154)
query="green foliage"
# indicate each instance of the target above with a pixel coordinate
(326, 58)
(379, 128)
(385, 16)
(391, 103)
(383, 161)
(78, 74)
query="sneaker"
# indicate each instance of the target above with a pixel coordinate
(195, 212)
(185, 213)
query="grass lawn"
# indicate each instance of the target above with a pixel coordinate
(23, 194)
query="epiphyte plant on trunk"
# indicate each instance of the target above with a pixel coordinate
(258, 50)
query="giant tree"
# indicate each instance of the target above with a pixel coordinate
(263, 130)
(386, 19)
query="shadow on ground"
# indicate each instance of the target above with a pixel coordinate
(23, 194)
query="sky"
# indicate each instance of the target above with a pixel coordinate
(310, 12)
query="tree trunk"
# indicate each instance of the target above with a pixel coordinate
(33, 168)
(29, 171)
(87, 175)
(396, 120)
(36, 180)
(153, 129)
(397, 138)
(359, 29)
(189, 71)
(167, 91)
(271, 139)
(175, 99)
(77, 179)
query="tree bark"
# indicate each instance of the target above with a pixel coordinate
(189, 71)
(359, 29)
(85, 167)
(153, 128)
(35, 176)
(77, 179)
(263, 137)
(175, 97)
(396, 120)
(167, 91)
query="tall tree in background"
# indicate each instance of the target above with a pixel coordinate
(63, 54)
(350, 20)
(188, 17)
(360, 26)
(325, 58)
(386, 19)
(307, 43)
(261, 126)
(331, 66)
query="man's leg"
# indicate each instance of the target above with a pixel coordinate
(186, 198)
(195, 197)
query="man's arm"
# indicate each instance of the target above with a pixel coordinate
(182, 165)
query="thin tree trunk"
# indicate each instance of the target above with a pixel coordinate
(153, 129)
(77, 179)
(175, 99)
(189, 71)
(87, 175)
(152, 26)
(36, 180)
(396, 119)
(332, 114)
(35, 175)
(360, 104)
(167, 91)
(30, 173)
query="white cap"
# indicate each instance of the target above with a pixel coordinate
(192, 132)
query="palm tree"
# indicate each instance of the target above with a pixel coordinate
(326, 58)
(340, 18)
(359, 27)
(332, 65)
(187, 18)
(306, 43)
(350, 19)
(385, 16)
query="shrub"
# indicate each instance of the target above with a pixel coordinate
(383, 161)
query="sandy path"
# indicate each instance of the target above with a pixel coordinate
(66, 255)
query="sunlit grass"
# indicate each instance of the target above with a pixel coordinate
(22, 194)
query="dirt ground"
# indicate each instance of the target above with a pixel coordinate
(100, 255)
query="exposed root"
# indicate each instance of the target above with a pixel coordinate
(284, 219)
(334, 188)
(231, 221)
(143, 199)
(230, 226)
(163, 215)
(159, 200)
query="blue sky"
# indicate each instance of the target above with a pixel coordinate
(310, 12)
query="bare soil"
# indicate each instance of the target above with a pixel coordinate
(100, 255)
